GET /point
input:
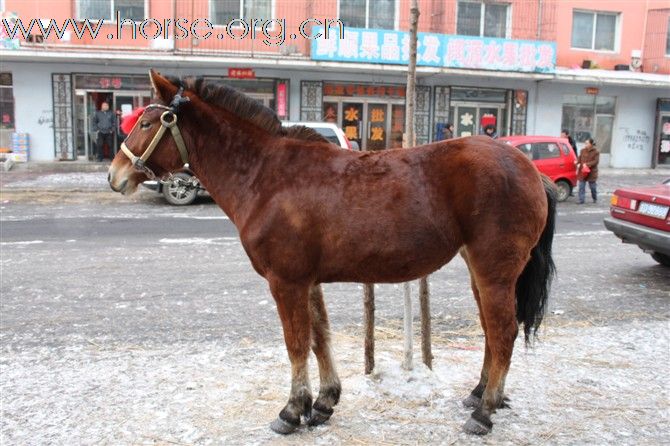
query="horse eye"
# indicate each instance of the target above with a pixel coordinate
(145, 124)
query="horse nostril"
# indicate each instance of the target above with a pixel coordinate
(109, 177)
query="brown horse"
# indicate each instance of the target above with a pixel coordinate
(309, 212)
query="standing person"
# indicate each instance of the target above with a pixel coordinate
(448, 130)
(566, 134)
(588, 157)
(490, 130)
(104, 123)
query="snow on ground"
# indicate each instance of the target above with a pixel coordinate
(75, 180)
(581, 384)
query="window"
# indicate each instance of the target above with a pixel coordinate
(224, 11)
(483, 19)
(368, 13)
(594, 30)
(6, 102)
(667, 39)
(540, 150)
(589, 116)
(107, 9)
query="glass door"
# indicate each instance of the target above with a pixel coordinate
(352, 122)
(466, 121)
(376, 127)
(664, 140)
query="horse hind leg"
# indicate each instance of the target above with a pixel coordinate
(293, 307)
(498, 309)
(474, 400)
(330, 387)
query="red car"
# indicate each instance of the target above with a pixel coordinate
(640, 216)
(552, 156)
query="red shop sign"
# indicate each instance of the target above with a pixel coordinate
(241, 73)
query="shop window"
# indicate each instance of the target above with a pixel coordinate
(368, 13)
(594, 30)
(106, 9)
(224, 11)
(589, 116)
(483, 19)
(6, 102)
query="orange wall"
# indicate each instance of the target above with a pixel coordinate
(631, 31)
(437, 16)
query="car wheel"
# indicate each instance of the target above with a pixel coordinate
(661, 258)
(181, 190)
(564, 189)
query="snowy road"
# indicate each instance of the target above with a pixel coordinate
(126, 321)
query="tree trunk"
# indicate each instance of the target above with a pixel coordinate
(369, 322)
(410, 142)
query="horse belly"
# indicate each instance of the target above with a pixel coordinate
(392, 258)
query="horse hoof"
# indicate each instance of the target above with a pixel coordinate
(475, 427)
(472, 402)
(318, 417)
(283, 427)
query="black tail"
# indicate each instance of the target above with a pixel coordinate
(532, 288)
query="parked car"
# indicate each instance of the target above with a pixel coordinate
(326, 129)
(640, 215)
(185, 187)
(552, 156)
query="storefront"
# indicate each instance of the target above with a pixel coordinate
(372, 116)
(124, 93)
(590, 116)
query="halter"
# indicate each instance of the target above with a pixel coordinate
(168, 121)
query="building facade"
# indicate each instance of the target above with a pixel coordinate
(600, 70)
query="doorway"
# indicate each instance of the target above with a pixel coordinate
(471, 118)
(87, 102)
(368, 123)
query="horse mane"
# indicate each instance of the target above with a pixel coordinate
(245, 108)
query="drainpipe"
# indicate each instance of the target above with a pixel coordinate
(539, 19)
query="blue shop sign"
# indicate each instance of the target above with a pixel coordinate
(434, 50)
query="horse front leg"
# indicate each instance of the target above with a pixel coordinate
(330, 387)
(293, 307)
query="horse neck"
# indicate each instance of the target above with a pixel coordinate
(227, 157)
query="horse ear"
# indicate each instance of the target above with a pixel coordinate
(164, 89)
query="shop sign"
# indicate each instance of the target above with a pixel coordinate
(363, 90)
(281, 99)
(592, 90)
(241, 73)
(118, 82)
(435, 50)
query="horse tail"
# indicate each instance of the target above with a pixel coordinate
(532, 287)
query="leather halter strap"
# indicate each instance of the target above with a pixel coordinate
(168, 121)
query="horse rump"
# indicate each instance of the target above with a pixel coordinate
(532, 287)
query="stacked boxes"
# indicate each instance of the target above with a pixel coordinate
(20, 147)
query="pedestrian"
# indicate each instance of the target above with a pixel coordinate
(566, 134)
(448, 130)
(103, 123)
(587, 170)
(490, 130)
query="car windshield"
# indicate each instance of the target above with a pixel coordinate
(328, 133)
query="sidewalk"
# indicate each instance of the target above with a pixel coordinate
(84, 176)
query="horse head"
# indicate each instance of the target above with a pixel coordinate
(154, 147)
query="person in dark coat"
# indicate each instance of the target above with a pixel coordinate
(448, 130)
(103, 123)
(566, 134)
(490, 130)
(590, 157)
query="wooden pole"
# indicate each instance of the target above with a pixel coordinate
(410, 141)
(424, 301)
(369, 323)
